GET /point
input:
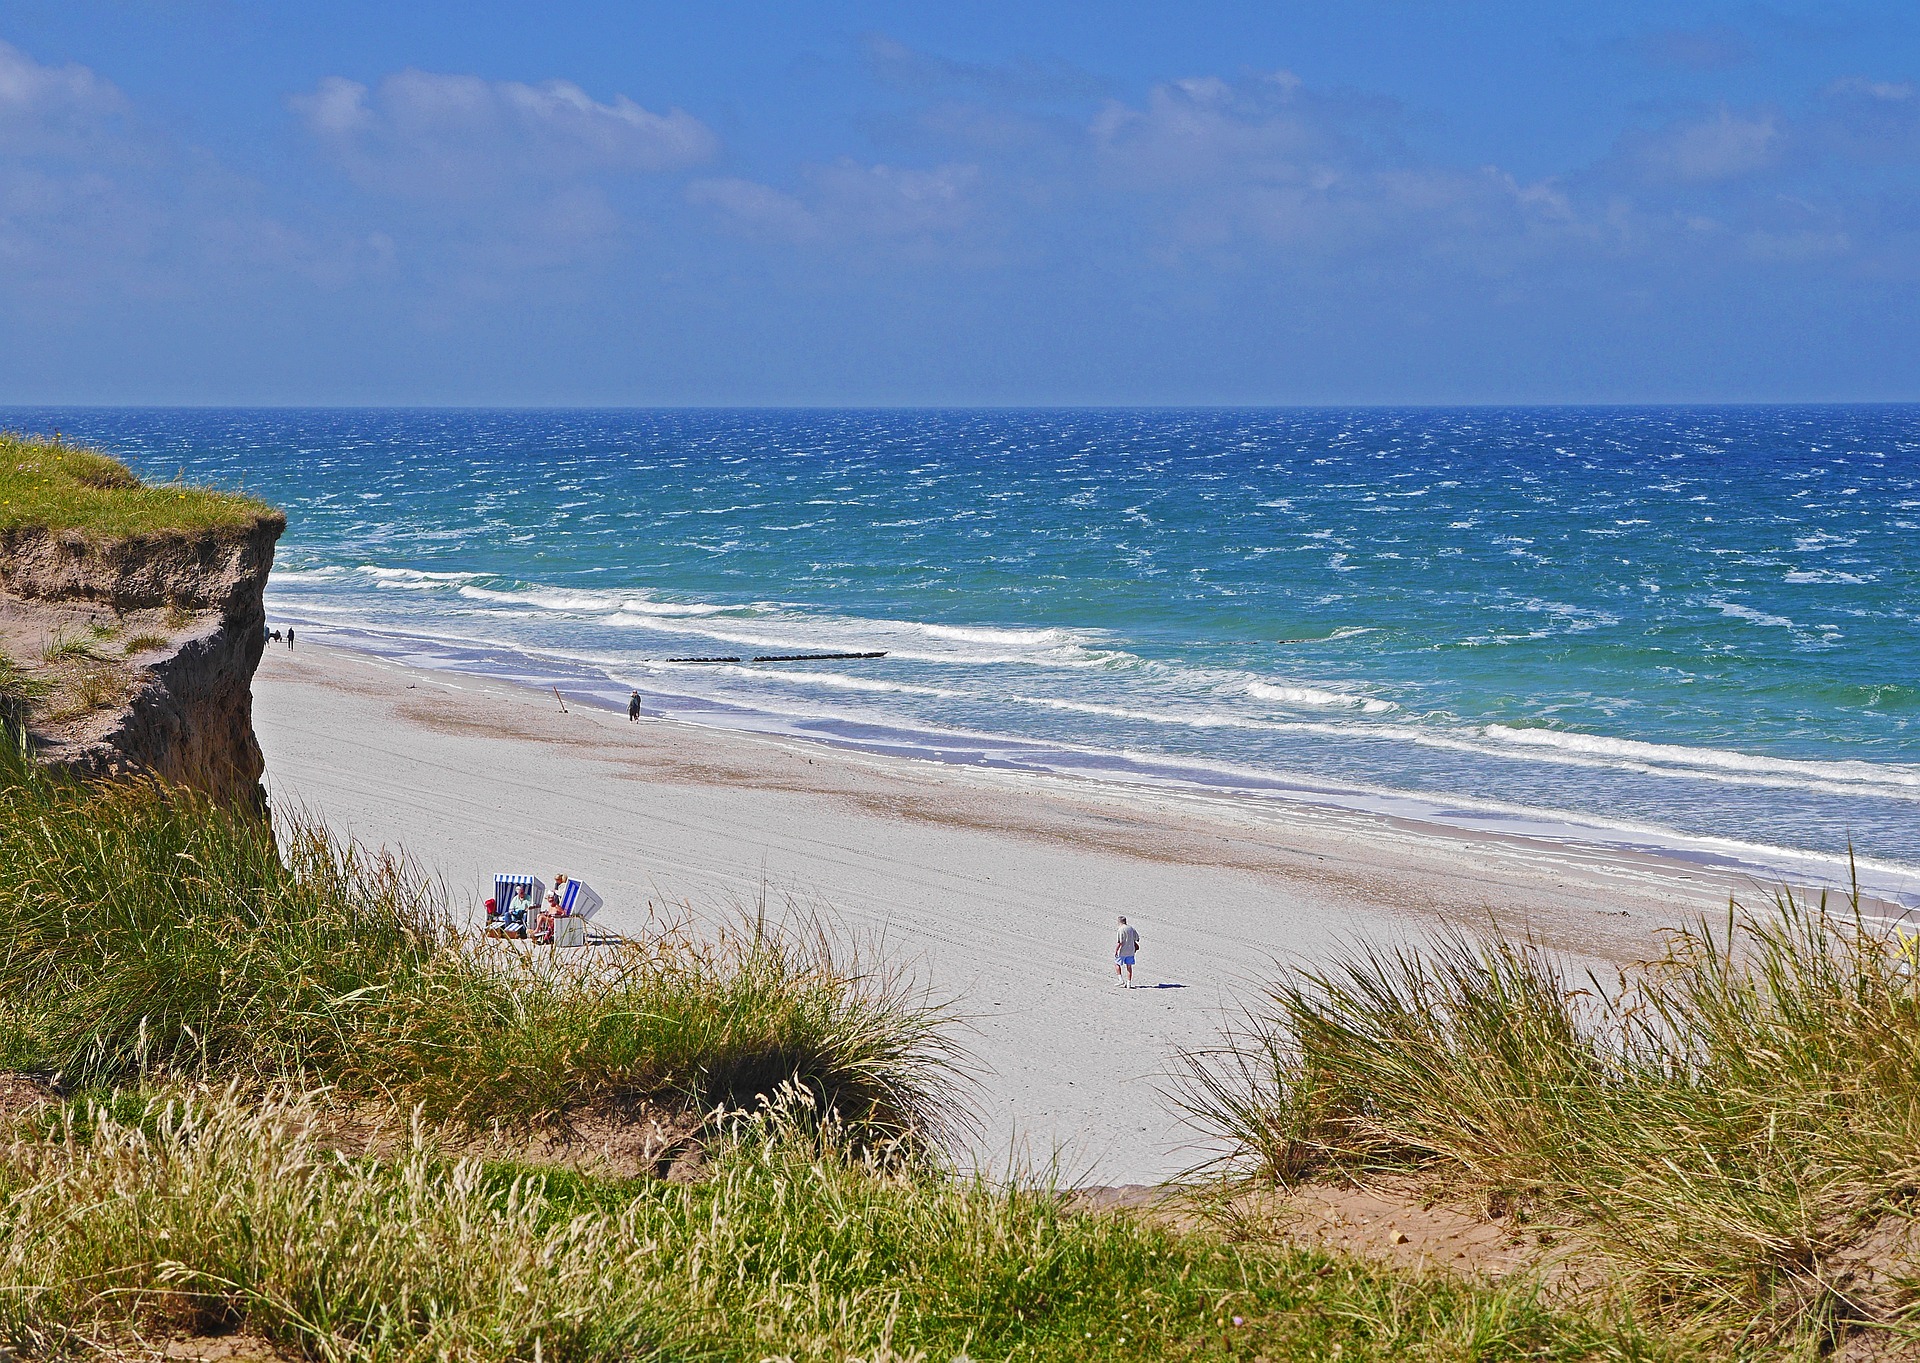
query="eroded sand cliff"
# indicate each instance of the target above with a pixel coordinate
(144, 649)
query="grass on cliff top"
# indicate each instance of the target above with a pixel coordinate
(152, 934)
(1733, 1129)
(51, 486)
(210, 1218)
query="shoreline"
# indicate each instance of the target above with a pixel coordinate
(1893, 886)
(999, 888)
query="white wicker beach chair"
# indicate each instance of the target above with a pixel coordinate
(578, 904)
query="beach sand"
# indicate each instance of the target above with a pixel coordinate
(999, 889)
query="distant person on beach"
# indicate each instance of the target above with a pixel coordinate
(1124, 951)
(633, 708)
(289, 638)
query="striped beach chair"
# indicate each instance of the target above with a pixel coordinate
(505, 887)
(578, 904)
(578, 900)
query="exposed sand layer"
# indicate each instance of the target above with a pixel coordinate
(1000, 888)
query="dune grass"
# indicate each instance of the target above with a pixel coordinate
(160, 943)
(55, 486)
(1733, 1129)
(20, 691)
(153, 934)
(203, 1218)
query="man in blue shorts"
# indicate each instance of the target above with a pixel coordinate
(1124, 951)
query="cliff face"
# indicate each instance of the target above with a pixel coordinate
(189, 609)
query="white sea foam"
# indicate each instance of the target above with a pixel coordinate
(982, 634)
(1878, 776)
(1318, 698)
(1827, 575)
(775, 626)
(836, 681)
(414, 578)
(1192, 719)
(1821, 539)
(1749, 614)
(416, 574)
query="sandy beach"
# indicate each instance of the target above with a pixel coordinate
(999, 889)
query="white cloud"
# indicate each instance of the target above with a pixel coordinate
(1888, 91)
(1722, 147)
(758, 206)
(419, 132)
(903, 67)
(1875, 121)
(847, 201)
(96, 206)
(1793, 248)
(49, 110)
(1202, 129)
(1222, 167)
(73, 208)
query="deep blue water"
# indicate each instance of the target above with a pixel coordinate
(1702, 620)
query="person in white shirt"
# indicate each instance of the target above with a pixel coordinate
(1124, 951)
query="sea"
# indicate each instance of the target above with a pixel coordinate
(1688, 630)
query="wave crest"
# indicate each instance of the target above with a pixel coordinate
(1318, 698)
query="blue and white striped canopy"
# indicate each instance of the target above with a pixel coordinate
(506, 886)
(578, 900)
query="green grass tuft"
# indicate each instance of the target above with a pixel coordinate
(65, 649)
(50, 486)
(203, 1218)
(154, 934)
(20, 691)
(1735, 1127)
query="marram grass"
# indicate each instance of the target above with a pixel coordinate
(55, 486)
(152, 934)
(1734, 1129)
(205, 1217)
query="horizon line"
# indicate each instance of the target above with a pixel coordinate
(1697, 404)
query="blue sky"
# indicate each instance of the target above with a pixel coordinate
(211, 201)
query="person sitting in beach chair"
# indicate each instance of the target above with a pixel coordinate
(512, 922)
(513, 904)
(525, 910)
(549, 911)
(555, 907)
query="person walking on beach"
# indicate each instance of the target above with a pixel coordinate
(289, 638)
(1124, 951)
(633, 708)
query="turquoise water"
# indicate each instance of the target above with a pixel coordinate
(1673, 623)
